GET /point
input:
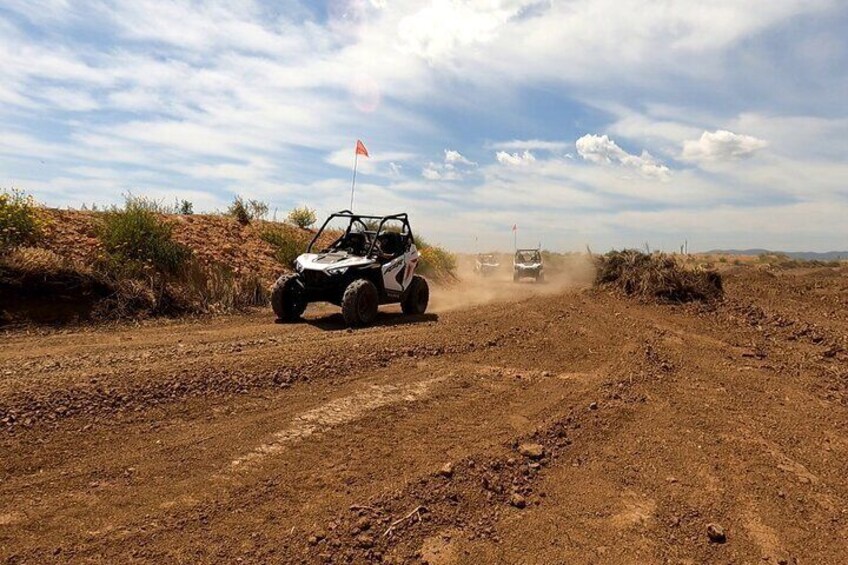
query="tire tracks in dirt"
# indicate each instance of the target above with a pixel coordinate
(654, 421)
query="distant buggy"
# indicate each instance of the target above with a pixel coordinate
(371, 262)
(528, 264)
(486, 264)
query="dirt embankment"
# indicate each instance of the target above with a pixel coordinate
(213, 239)
(67, 276)
(574, 427)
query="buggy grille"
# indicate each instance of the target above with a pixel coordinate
(314, 278)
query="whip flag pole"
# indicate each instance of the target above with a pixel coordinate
(515, 237)
(360, 150)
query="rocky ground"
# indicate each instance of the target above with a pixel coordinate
(572, 426)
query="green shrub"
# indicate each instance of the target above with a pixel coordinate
(287, 242)
(303, 217)
(435, 261)
(238, 210)
(136, 239)
(245, 211)
(184, 208)
(19, 219)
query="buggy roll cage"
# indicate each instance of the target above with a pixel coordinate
(536, 250)
(403, 218)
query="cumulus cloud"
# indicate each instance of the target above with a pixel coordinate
(515, 159)
(453, 167)
(604, 151)
(721, 145)
(452, 156)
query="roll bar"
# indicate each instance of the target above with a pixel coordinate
(403, 217)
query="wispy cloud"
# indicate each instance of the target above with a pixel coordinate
(211, 98)
(531, 145)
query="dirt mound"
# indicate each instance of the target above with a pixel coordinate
(226, 265)
(70, 276)
(213, 240)
(656, 276)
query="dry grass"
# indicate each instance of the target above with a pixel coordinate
(32, 260)
(656, 276)
(39, 285)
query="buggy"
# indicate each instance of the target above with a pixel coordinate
(371, 262)
(528, 264)
(486, 264)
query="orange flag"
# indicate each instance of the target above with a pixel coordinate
(360, 148)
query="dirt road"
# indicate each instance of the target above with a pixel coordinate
(568, 427)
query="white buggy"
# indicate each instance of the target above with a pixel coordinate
(371, 262)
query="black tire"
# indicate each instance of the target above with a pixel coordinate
(416, 300)
(288, 298)
(359, 303)
(540, 278)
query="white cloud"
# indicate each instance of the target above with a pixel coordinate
(452, 156)
(515, 159)
(721, 145)
(379, 161)
(602, 150)
(437, 171)
(454, 167)
(250, 96)
(530, 144)
(443, 28)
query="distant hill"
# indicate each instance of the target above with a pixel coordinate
(800, 255)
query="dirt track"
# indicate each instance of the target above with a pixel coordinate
(236, 438)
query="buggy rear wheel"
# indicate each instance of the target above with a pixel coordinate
(359, 303)
(416, 300)
(288, 298)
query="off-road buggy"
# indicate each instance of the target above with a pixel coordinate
(371, 262)
(486, 264)
(528, 264)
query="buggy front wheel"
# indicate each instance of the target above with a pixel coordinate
(416, 299)
(288, 298)
(359, 303)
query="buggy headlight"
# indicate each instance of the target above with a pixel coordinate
(298, 266)
(337, 271)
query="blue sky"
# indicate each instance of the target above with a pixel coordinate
(602, 122)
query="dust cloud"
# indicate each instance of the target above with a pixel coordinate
(566, 272)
